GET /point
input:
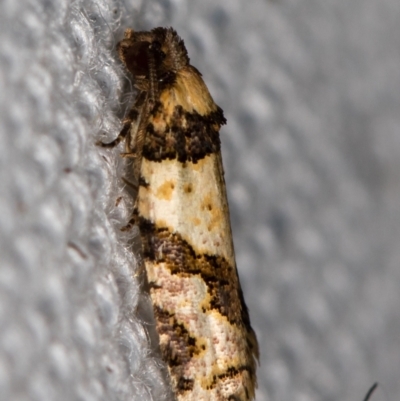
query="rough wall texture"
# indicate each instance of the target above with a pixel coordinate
(312, 157)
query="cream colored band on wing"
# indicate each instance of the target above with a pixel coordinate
(189, 198)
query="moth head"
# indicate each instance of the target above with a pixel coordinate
(159, 51)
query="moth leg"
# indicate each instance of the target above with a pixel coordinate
(131, 123)
(133, 221)
(134, 144)
(122, 135)
(132, 186)
(134, 155)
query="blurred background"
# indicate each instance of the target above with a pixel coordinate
(310, 90)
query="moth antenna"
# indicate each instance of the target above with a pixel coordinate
(153, 80)
(370, 391)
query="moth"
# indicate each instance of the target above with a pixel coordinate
(172, 142)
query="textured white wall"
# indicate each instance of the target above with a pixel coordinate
(312, 157)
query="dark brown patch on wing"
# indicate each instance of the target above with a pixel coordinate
(180, 257)
(143, 182)
(184, 385)
(232, 372)
(179, 349)
(188, 136)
